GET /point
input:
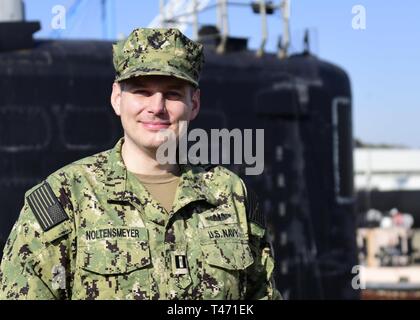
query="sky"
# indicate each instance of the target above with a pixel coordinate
(382, 60)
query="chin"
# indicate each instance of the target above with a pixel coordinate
(147, 140)
(152, 145)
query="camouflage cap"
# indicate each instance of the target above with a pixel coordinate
(158, 52)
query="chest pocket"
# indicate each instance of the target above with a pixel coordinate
(114, 268)
(223, 271)
(230, 255)
(112, 257)
(223, 242)
(226, 255)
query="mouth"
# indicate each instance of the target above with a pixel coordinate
(155, 126)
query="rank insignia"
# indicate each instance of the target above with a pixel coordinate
(179, 262)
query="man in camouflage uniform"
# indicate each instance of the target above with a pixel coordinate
(99, 229)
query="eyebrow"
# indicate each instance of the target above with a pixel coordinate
(176, 86)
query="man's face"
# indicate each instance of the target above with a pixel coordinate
(149, 104)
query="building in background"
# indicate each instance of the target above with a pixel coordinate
(387, 182)
(387, 178)
(387, 169)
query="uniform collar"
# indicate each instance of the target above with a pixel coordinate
(116, 174)
(192, 186)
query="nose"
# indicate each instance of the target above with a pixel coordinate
(157, 103)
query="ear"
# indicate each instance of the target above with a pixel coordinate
(195, 104)
(116, 98)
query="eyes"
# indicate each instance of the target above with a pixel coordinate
(172, 94)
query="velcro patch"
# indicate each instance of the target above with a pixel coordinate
(46, 207)
(252, 209)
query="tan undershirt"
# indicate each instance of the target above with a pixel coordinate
(162, 187)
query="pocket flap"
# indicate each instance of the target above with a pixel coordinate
(115, 256)
(231, 255)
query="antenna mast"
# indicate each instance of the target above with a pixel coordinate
(285, 13)
(108, 19)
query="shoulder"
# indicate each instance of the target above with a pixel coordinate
(48, 212)
(92, 165)
(224, 183)
(88, 170)
(241, 191)
(49, 205)
(220, 181)
(216, 174)
(64, 179)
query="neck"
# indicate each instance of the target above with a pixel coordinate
(143, 160)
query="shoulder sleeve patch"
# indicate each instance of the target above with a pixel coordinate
(46, 207)
(253, 212)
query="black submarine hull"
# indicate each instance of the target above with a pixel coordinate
(54, 109)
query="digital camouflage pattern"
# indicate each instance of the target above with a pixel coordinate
(158, 52)
(119, 243)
